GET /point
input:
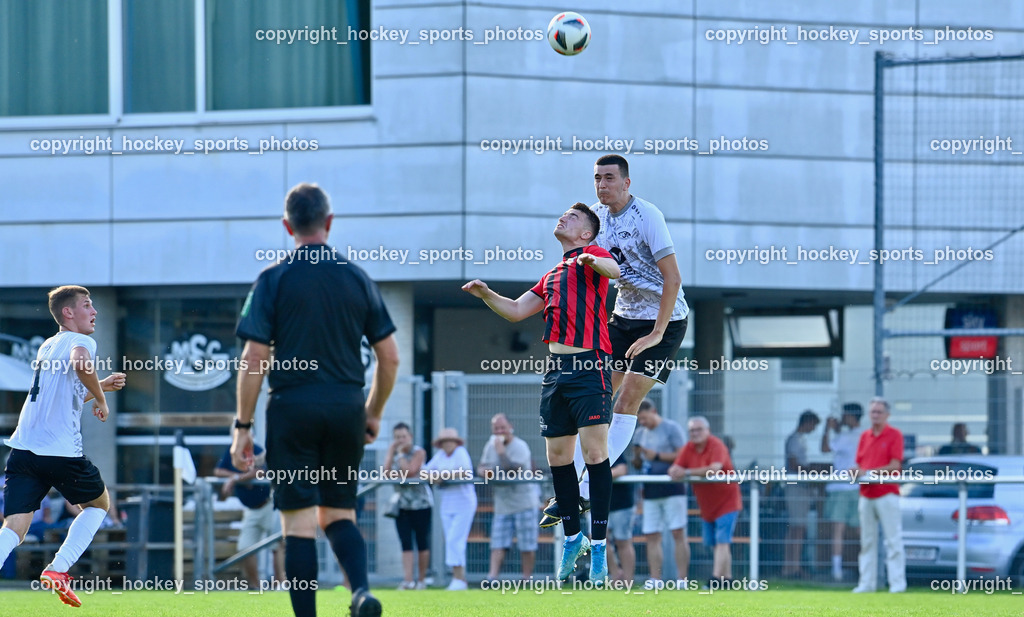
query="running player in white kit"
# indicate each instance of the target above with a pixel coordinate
(47, 445)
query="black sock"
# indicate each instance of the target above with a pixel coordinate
(350, 549)
(600, 498)
(567, 493)
(301, 569)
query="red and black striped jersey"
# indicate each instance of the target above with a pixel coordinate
(574, 302)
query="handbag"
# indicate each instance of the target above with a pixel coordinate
(392, 509)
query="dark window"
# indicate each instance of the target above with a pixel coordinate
(53, 57)
(159, 56)
(182, 354)
(244, 72)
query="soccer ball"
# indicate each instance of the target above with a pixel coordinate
(568, 33)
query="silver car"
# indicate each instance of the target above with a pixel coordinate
(995, 518)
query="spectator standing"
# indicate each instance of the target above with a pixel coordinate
(415, 503)
(458, 501)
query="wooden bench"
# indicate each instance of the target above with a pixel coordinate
(225, 540)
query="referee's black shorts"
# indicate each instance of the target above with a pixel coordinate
(656, 362)
(30, 477)
(315, 439)
(576, 392)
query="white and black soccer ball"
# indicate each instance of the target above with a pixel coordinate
(568, 33)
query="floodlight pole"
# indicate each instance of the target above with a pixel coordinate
(879, 293)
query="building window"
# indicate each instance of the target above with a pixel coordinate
(53, 57)
(182, 354)
(56, 56)
(24, 326)
(245, 72)
(159, 56)
(812, 370)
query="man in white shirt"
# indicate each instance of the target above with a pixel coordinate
(841, 498)
(47, 445)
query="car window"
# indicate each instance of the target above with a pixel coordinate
(950, 470)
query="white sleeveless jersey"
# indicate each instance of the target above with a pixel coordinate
(50, 421)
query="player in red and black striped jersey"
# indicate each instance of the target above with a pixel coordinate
(573, 316)
(576, 394)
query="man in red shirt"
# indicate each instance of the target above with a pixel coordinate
(576, 392)
(880, 453)
(719, 503)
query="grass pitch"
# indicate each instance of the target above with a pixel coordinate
(438, 603)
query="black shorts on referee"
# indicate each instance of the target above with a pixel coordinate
(31, 476)
(656, 362)
(315, 439)
(577, 392)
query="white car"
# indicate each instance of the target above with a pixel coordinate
(995, 518)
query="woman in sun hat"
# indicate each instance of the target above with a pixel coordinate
(458, 500)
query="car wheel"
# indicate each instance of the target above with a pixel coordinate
(1016, 574)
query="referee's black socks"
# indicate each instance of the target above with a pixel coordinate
(350, 548)
(567, 494)
(600, 498)
(300, 567)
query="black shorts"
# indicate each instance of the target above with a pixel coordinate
(30, 477)
(577, 392)
(656, 362)
(315, 439)
(414, 523)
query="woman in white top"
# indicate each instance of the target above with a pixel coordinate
(458, 501)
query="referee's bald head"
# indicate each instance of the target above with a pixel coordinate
(306, 208)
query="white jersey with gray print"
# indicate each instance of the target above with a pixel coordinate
(50, 421)
(637, 237)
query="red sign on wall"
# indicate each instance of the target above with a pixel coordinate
(968, 347)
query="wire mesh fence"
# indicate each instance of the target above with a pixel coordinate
(949, 244)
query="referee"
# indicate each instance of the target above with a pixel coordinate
(313, 308)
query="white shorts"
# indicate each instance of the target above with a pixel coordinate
(258, 524)
(664, 513)
(620, 523)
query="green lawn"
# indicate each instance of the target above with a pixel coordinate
(334, 603)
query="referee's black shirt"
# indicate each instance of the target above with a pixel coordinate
(314, 308)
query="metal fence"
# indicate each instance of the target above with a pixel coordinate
(760, 537)
(948, 184)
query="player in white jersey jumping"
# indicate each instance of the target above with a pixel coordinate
(649, 319)
(47, 445)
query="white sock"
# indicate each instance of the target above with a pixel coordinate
(9, 541)
(620, 433)
(837, 562)
(80, 534)
(581, 470)
(573, 537)
(577, 460)
(598, 542)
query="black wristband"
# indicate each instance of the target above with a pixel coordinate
(245, 425)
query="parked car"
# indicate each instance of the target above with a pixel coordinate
(995, 518)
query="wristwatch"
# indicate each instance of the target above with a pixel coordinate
(245, 425)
